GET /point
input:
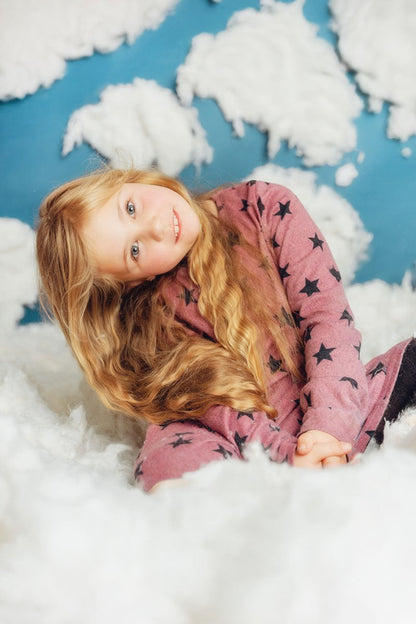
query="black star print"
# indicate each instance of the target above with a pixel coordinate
(335, 273)
(317, 242)
(284, 210)
(260, 206)
(138, 472)
(283, 272)
(307, 333)
(274, 427)
(296, 402)
(275, 365)
(240, 441)
(297, 317)
(234, 238)
(308, 397)
(251, 182)
(311, 287)
(248, 414)
(346, 316)
(352, 381)
(245, 205)
(358, 348)
(267, 448)
(274, 243)
(180, 439)
(188, 296)
(379, 368)
(222, 451)
(324, 353)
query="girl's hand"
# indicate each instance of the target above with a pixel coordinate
(317, 449)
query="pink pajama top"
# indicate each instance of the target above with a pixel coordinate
(341, 396)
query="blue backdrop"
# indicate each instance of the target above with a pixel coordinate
(31, 132)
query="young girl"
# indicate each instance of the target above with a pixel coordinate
(220, 319)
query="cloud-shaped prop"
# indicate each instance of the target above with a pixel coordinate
(140, 124)
(270, 68)
(377, 39)
(37, 37)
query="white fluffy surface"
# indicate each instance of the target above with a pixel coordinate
(238, 541)
(140, 124)
(377, 39)
(38, 37)
(270, 68)
(339, 222)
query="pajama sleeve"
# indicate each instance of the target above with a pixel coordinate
(178, 447)
(334, 397)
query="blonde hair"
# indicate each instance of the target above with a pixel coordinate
(138, 358)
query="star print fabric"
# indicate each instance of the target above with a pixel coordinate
(340, 396)
(314, 290)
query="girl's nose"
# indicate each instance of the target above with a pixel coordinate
(155, 228)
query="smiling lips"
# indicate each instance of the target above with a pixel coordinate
(176, 227)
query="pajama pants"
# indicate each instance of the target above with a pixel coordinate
(404, 391)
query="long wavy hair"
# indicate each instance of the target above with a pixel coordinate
(133, 351)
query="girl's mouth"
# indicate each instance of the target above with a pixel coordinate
(176, 226)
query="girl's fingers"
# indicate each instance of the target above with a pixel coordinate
(303, 448)
(330, 462)
(329, 449)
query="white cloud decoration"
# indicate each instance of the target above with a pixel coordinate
(271, 69)
(37, 37)
(140, 124)
(17, 271)
(377, 39)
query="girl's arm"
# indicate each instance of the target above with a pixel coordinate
(172, 450)
(335, 396)
(178, 447)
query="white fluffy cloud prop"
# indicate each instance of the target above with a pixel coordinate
(269, 68)
(140, 124)
(37, 37)
(17, 269)
(377, 39)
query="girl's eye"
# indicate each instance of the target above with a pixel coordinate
(130, 208)
(134, 251)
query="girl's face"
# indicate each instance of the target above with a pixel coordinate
(142, 231)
